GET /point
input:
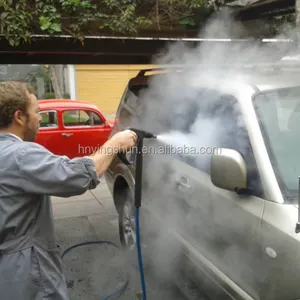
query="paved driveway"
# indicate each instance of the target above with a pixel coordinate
(97, 270)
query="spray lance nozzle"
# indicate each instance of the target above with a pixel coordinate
(143, 134)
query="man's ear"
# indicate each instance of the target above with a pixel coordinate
(20, 117)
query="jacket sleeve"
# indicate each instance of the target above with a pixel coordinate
(42, 172)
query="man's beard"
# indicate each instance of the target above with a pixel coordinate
(29, 136)
(29, 133)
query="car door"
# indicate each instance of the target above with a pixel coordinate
(223, 227)
(49, 133)
(84, 132)
(281, 252)
(279, 114)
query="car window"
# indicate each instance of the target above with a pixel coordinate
(81, 118)
(133, 99)
(49, 119)
(125, 117)
(131, 106)
(278, 112)
(132, 94)
(96, 119)
(220, 124)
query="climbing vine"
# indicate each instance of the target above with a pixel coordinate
(20, 19)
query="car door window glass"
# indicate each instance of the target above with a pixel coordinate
(96, 120)
(220, 124)
(81, 118)
(133, 99)
(130, 112)
(73, 118)
(279, 118)
(49, 119)
(125, 117)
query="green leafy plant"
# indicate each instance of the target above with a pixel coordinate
(49, 96)
(66, 96)
(19, 19)
(78, 18)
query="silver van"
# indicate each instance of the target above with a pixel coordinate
(224, 214)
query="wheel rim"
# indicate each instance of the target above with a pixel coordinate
(129, 226)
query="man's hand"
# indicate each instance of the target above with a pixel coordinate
(124, 140)
(121, 141)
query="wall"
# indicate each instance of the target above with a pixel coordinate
(103, 85)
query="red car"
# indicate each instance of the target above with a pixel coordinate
(72, 128)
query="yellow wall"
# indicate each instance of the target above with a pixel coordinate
(103, 85)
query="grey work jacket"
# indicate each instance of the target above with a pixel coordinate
(30, 264)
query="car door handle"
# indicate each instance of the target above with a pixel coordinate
(67, 134)
(183, 182)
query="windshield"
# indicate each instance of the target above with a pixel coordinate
(279, 115)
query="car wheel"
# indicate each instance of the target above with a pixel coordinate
(127, 231)
(150, 243)
(127, 228)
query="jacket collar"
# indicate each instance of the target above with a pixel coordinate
(10, 136)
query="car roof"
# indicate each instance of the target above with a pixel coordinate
(64, 103)
(275, 81)
(263, 77)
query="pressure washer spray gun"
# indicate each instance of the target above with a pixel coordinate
(141, 135)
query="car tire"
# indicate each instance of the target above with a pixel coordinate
(127, 228)
(148, 237)
(127, 221)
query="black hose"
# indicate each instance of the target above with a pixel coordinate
(125, 285)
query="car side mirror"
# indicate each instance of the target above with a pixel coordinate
(229, 170)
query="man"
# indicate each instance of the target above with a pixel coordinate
(30, 264)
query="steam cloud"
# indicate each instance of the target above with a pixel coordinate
(171, 107)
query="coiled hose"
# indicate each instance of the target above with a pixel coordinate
(125, 285)
(139, 253)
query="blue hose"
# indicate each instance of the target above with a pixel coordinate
(139, 252)
(119, 291)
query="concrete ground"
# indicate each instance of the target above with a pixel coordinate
(94, 271)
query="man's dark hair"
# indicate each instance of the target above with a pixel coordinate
(13, 97)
